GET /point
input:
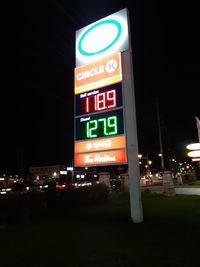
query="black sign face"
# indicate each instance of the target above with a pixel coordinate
(103, 124)
(103, 99)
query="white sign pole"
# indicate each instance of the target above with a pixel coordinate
(131, 133)
(131, 138)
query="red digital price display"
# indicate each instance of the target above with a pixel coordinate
(99, 100)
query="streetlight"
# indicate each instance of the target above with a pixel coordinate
(55, 174)
(148, 162)
(140, 157)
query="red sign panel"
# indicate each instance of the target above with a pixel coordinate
(101, 158)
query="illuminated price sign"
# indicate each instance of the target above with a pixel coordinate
(103, 124)
(99, 119)
(99, 100)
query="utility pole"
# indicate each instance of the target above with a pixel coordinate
(21, 165)
(160, 136)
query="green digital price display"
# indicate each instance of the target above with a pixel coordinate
(100, 125)
(109, 126)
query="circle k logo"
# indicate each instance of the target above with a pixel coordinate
(100, 37)
(111, 66)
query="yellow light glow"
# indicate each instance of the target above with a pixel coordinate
(195, 153)
(194, 146)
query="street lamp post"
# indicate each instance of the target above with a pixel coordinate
(148, 162)
(160, 136)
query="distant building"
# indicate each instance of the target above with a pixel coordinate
(52, 171)
(41, 174)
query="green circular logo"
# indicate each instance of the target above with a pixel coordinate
(109, 21)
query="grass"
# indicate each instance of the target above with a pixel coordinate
(105, 236)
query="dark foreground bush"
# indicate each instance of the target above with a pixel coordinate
(61, 202)
(17, 207)
(71, 201)
(189, 178)
(93, 195)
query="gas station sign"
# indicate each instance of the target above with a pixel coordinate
(99, 111)
(105, 117)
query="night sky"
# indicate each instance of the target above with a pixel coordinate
(37, 104)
